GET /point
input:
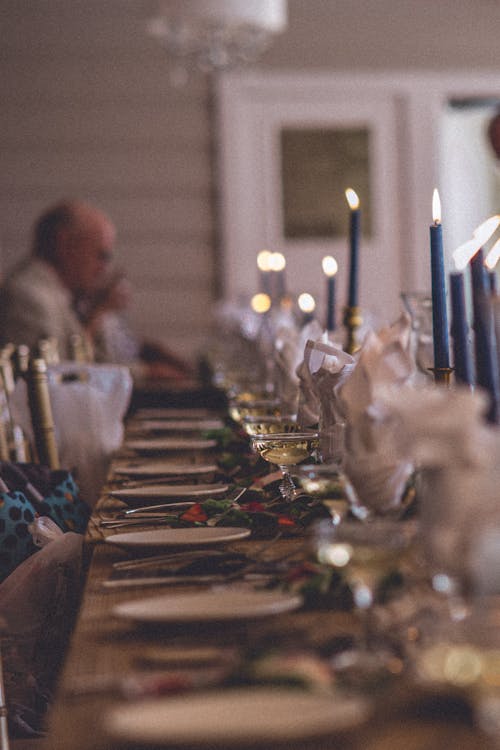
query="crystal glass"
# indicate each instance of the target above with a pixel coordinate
(255, 425)
(286, 450)
(253, 405)
(332, 446)
(365, 554)
(419, 307)
(328, 484)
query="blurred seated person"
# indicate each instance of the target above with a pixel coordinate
(114, 340)
(72, 254)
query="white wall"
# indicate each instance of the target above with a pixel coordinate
(86, 110)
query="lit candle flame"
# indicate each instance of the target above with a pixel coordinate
(352, 199)
(464, 253)
(436, 207)
(493, 256)
(260, 303)
(330, 265)
(306, 302)
(277, 262)
(485, 230)
(264, 260)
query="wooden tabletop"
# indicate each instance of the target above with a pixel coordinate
(105, 650)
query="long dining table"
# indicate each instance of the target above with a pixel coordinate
(114, 665)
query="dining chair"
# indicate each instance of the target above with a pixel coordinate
(4, 732)
(41, 414)
(12, 440)
(48, 350)
(78, 349)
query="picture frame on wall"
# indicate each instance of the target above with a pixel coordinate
(317, 165)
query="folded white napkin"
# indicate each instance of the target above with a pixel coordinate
(458, 456)
(378, 475)
(323, 368)
(288, 354)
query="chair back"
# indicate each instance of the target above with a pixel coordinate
(12, 442)
(41, 414)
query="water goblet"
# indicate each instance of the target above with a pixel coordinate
(328, 484)
(365, 554)
(285, 450)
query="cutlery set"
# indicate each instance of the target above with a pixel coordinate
(198, 567)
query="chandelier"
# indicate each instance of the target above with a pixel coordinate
(215, 35)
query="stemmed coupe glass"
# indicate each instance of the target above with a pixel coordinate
(286, 445)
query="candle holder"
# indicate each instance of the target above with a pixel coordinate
(352, 321)
(442, 375)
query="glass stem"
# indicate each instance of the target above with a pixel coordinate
(287, 486)
(363, 599)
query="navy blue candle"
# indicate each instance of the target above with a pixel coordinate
(354, 235)
(487, 376)
(330, 315)
(330, 268)
(460, 331)
(439, 313)
(492, 281)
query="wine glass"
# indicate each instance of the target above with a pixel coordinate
(286, 449)
(258, 425)
(366, 554)
(253, 405)
(419, 306)
(328, 484)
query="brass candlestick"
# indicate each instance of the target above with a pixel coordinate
(352, 321)
(442, 375)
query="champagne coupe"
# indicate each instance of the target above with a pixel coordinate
(286, 449)
(258, 425)
(253, 405)
(328, 484)
(365, 554)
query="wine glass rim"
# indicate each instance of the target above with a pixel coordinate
(272, 401)
(268, 436)
(388, 531)
(332, 467)
(270, 419)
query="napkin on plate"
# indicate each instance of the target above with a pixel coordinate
(458, 456)
(378, 475)
(288, 354)
(323, 368)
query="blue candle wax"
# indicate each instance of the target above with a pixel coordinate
(439, 314)
(354, 231)
(460, 331)
(487, 376)
(330, 311)
(493, 282)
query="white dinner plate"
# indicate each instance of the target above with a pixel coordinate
(203, 606)
(189, 537)
(173, 413)
(162, 468)
(164, 491)
(177, 425)
(153, 445)
(232, 717)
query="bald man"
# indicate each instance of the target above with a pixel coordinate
(72, 252)
(71, 259)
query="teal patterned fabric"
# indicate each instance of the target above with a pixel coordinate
(61, 503)
(64, 505)
(16, 544)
